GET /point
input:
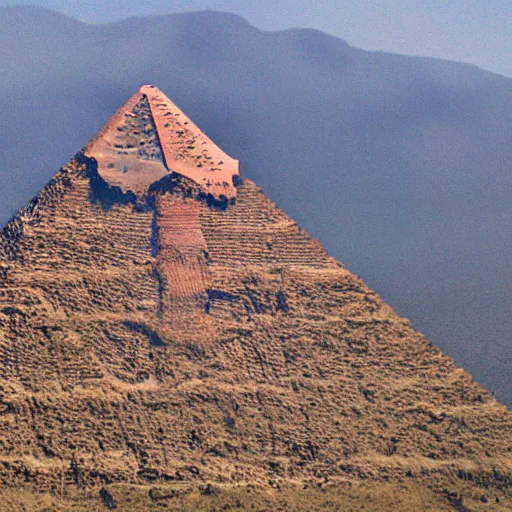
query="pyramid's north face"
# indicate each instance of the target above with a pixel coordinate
(164, 325)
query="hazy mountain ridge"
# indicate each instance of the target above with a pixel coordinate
(398, 164)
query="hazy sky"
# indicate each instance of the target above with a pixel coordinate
(475, 31)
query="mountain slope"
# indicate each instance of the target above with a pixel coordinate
(159, 338)
(400, 166)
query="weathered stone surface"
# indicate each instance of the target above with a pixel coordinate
(149, 137)
(153, 333)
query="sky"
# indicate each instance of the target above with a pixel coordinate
(474, 31)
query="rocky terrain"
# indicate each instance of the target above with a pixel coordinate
(170, 339)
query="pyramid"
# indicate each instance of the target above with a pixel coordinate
(170, 338)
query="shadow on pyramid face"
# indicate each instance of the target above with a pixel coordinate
(103, 193)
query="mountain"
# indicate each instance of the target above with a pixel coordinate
(170, 338)
(400, 166)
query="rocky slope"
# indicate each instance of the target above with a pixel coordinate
(172, 338)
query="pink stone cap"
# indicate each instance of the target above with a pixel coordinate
(149, 137)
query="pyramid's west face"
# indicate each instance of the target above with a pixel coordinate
(165, 337)
(150, 137)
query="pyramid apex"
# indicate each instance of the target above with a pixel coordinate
(145, 88)
(149, 137)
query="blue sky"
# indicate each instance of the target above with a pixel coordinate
(475, 31)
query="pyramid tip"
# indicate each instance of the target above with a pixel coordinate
(144, 88)
(151, 133)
